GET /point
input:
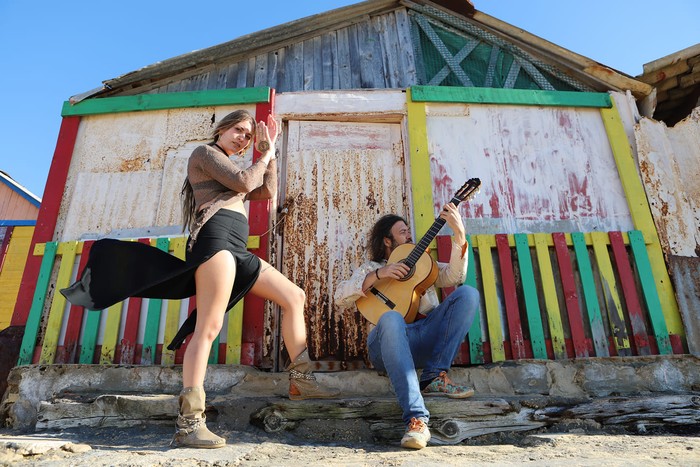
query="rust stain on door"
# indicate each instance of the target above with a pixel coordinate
(341, 178)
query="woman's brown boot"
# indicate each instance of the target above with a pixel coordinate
(302, 382)
(191, 429)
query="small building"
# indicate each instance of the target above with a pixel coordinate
(19, 209)
(386, 106)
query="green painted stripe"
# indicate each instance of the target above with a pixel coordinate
(214, 353)
(454, 94)
(31, 329)
(651, 296)
(549, 290)
(173, 100)
(476, 346)
(89, 341)
(150, 338)
(595, 318)
(532, 303)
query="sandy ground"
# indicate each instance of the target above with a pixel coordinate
(148, 446)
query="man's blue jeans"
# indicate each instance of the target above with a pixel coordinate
(431, 343)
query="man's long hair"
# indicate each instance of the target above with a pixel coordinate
(380, 231)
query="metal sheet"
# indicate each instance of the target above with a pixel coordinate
(669, 159)
(341, 178)
(543, 169)
(127, 171)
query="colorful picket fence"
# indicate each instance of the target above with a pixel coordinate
(544, 296)
(129, 332)
(580, 295)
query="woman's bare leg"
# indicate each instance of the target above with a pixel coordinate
(214, 281)
(273, 285)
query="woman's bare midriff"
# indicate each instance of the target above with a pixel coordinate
(237, 206)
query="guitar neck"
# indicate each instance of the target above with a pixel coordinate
(424, 242)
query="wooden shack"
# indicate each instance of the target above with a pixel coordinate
(19, 209)
(386, 106)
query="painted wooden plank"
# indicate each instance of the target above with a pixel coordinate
(510, 296)
(476, 345)
(444, 251)
(259, 221)
(150, 338)
(629, 291)
(234, 334)
(111, 334)
(595, 319)
(31, 329)
(17, 242)
(71, 338)
(641, 215)
(421, 178)
(649, 290)
(568, 282)
(532, 303)
(551, 301)
(58, 306)
(91, 318)
(48, 215)
(131, 325)
(469, 95)
(214, 352)
(172, 100)
(172, 319)
(616, 317)
(488, 281)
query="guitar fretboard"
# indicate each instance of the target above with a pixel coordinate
(424, 242)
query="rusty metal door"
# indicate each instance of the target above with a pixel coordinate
(342, 177)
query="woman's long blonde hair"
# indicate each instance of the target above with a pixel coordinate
(189, 214)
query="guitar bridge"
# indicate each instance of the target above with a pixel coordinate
(383, 298)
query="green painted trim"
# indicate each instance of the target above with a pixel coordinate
(476, 346)
(172, 100)
(532, 303)
(461, 95)
(31, 329)
(150, 336)
(651, 296)
(595, 318)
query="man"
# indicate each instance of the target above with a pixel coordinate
(430, 343)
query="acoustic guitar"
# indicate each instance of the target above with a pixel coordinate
(403, 295)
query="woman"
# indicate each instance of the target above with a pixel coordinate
(218, 267)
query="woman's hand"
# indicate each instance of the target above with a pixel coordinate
(266, 135)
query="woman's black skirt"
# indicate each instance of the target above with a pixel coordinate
(116, 270)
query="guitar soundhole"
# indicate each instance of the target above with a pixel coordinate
(410, 272)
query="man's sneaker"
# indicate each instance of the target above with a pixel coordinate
(443, 386)
(417, 435)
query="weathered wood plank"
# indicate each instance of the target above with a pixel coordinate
(31, 329)
(629, 291)
(488, 282)
(532, 303)
(549, 290)
(568, 282)
(595, 319)
(510, 297)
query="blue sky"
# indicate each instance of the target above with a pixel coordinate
(51, 50)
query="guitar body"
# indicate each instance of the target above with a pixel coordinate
(402, 296)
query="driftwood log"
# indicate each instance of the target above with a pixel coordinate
(452, 421)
